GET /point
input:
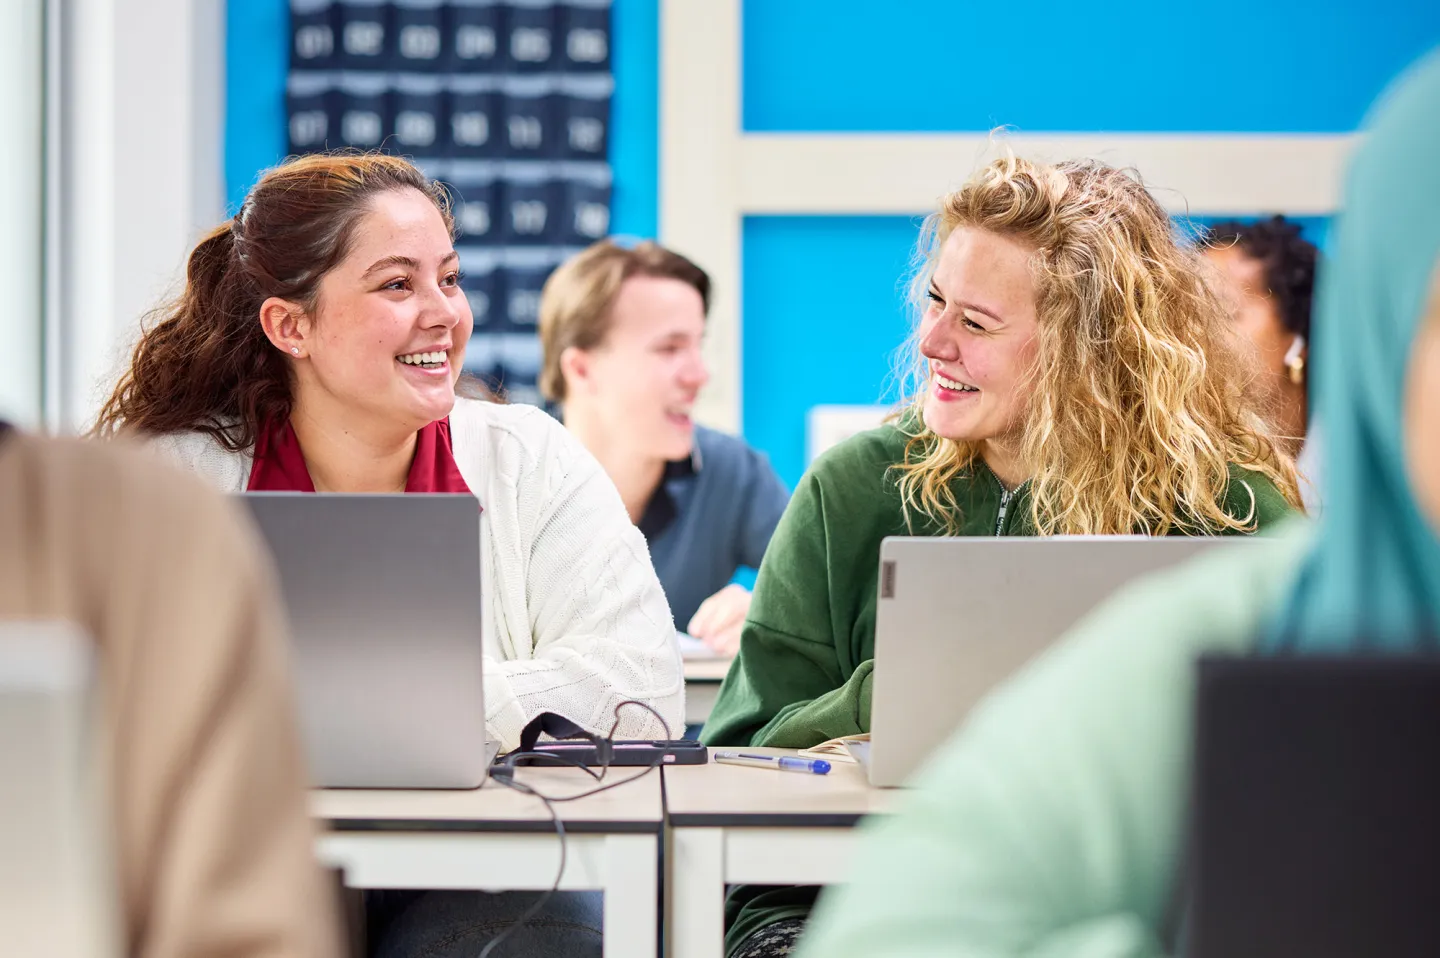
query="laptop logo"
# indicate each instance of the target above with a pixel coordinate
(887, 579)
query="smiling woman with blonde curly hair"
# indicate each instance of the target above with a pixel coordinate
(1124, 399)
(1076, 375)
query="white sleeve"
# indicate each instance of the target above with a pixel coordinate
(199, 453)
(600, 626)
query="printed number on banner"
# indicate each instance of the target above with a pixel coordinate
(308, 127)
(360, 126)
(474, 42)
(420, 42)
(526, 132)
(528, 217)
(592, 220)
(470, 129)
(415, 128)
(474, 218)
(525, 306)
(587, 134)
(314, 40)
(364, 38)
(587, 46)
(530, 45)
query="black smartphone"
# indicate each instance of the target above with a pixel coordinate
(622, 753)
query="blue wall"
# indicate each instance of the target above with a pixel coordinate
(823, 296)
(257, 43)
(824, 318)
(1053, 65)
(635, 118)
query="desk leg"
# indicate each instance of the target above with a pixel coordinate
(696, 923)
(632, 894)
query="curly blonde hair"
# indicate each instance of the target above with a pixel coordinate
(1140, 398)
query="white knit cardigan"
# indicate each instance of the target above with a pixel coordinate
(575, 621)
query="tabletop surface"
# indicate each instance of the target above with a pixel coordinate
(632, 807)
(736, 795)
(706, 670)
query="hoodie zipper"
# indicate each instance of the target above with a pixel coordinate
(1005, 496)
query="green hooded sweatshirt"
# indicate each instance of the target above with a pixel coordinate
(807, 649)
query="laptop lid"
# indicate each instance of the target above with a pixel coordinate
(1314, 824)
(958, 615)
(58, 895)
(383, 595)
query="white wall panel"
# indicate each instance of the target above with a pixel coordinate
(22, 103)
(138, 177)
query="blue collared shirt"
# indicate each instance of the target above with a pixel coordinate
(712, 515)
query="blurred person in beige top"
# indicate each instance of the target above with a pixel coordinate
(212, 839)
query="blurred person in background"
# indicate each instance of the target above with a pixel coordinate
(1053, 822)
(1267, 271)
(1076, 375)
(208, 818)
(622, 329)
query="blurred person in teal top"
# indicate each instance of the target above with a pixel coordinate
(1051, 824)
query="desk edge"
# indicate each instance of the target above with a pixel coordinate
(764, 819)
(464, 825)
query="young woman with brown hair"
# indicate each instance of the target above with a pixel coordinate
(316, 348)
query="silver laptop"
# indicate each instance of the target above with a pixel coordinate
(383, 594)
(957, 616)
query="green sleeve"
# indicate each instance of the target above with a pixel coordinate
(1271, 509)
(786, 686)
(1255, 490)
(842, 711)
(1050, 824)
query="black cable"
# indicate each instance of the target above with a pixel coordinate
(550, 802)
(605, 767)
(539, 903)
(549, 758)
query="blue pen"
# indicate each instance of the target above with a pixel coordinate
(784, 763)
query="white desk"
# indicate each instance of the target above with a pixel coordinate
(494, 838)
(731, 824)
(702, 687)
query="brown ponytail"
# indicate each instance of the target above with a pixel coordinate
(206, 363)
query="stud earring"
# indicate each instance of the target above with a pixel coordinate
(295, 350)
(1295, 360)
(1297, 370)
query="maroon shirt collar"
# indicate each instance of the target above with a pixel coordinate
(280, 465)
